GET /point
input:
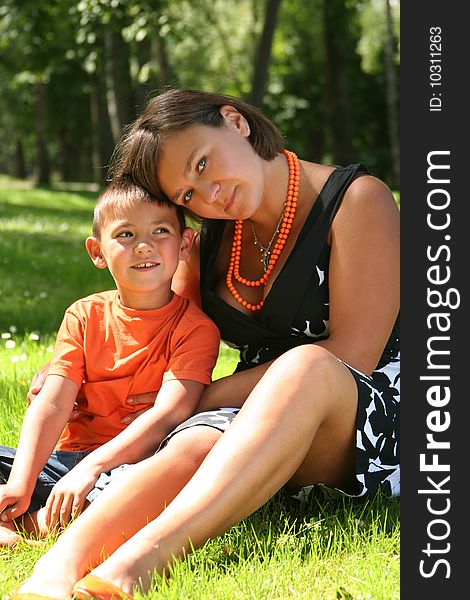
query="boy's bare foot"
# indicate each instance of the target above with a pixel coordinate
(35, 523)
(9, 537)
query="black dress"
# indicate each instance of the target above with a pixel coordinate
(295, 312)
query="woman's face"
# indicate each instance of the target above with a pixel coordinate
(213, 171)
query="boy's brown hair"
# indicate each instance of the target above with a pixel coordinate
(121, 193)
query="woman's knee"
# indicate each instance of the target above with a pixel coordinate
(308, 362)
(192, 444)
(315, 378)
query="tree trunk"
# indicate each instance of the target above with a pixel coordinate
(43, 177)
(159, 51)
(121, 105)
(69, 167)
(316, 145)
(102, 139)
(19, 166)
(152, 51)
(144, 58)
(263, 53)
(392, 95)
(337, 102)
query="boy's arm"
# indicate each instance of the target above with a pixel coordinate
(43, 423)
(194, 350)
(176, 401)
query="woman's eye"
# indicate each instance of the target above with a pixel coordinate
(201, 165)
(187, 196)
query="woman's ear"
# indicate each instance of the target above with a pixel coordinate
(236, 119)
(187, 239)
(93, 247)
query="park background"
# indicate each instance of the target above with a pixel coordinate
(73, 74)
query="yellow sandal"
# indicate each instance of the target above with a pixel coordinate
(92, 587)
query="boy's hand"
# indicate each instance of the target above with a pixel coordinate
(14, 501)
(68, 496)
(147, 398)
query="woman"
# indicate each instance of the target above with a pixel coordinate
(298, 265)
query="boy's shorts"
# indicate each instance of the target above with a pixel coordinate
(219, 419)
(58, 465)
(61, 462)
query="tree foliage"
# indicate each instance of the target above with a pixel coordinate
(74, 73)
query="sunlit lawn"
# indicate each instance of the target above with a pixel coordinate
(329, 549)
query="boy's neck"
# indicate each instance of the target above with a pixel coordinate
(145, 300)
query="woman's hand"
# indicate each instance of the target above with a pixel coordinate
(148, 398)
(37, 382)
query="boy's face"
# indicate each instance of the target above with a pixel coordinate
(142, 247)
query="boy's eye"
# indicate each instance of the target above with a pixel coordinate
(187, 196)
(123, 234)
(201, 165)
(161, 230)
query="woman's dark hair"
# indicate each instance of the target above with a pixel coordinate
(172, 111)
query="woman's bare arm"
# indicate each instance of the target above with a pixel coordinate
(364, 280)
(186, 279)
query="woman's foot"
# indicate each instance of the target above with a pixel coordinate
(27, 596)
(92, 587)
(49, 580)
(130, 567)
(46, 588)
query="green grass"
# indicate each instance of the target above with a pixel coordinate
(328, 549)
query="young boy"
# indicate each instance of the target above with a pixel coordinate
(139, 338)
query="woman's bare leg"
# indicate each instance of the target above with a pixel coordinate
(297, 425)
(306, 403)
(123, 508)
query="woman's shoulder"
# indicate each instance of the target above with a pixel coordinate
(368, 203)
(368, 183)
(368, 192)
(363, 183)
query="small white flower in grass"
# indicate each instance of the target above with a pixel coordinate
(23, 357)
(10, 344)
(6, 335)
(13, 328)
(43, 295)
(14, 359)
(33, 336)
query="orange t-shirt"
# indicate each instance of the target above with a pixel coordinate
(113, 352)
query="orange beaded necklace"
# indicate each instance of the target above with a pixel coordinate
(288, 213)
